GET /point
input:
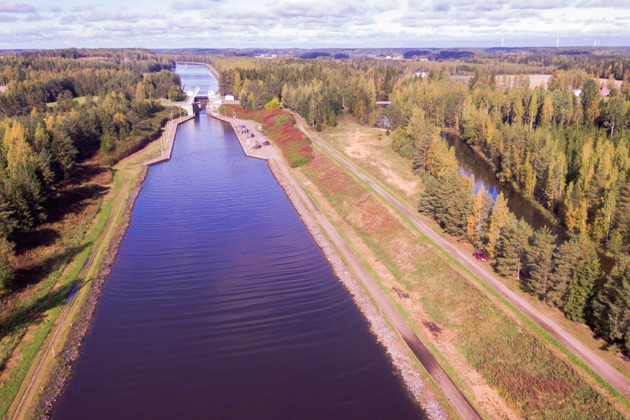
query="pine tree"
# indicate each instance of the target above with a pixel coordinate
(458, 205)
(499, 217)
(429, 197)
(512, 247)
(572, 257)
(565, 262)
(610, 307)
(422, 135)
(63, 155)
(540, 259)
(7, 275)
(477, 221)
(449, 185)
(581, 287)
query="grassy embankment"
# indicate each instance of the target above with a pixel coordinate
(50, 259)
(487, 348)
(371, 151)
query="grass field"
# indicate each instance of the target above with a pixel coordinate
(78, 99)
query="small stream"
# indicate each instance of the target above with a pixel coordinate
(482, 174)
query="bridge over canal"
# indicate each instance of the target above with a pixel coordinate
(187, 105)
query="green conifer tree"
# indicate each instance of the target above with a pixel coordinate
(540, 259)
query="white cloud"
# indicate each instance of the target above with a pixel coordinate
(295, 23)
(8, 7)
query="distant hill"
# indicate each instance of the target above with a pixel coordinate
(314, 54)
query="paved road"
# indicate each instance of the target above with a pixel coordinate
(614, 378)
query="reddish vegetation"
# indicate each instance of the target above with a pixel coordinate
(330, 177)
(375, 219)
(280, 127)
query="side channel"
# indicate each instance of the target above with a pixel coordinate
(221, 305)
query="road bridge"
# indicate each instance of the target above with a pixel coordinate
(187, 105)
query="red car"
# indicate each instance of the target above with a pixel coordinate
(480, 256)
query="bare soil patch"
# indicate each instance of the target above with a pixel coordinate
(370, 148)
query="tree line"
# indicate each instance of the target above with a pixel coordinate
(568, 152)
(317, 90)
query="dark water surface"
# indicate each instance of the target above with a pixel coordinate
(221, 306)
(481, 173)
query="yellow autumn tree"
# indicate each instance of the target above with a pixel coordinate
(499, 217)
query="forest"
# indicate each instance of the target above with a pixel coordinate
(564, 147)
(63, 107)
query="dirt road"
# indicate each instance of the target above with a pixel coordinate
(48, 348)
(613, 377)
(47, 352)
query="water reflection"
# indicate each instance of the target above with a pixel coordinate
(220, 305)
(481, 173)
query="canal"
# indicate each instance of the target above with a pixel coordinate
(220, 304)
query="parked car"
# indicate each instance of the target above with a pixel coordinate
(480, 256)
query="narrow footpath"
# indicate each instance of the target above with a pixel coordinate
(437, 373)
(609, 374)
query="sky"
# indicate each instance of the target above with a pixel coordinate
(46, 24)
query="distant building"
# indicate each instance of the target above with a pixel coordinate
(604, 91)
(420, 74)
(228, 97)
(384, 122)
(577, 92)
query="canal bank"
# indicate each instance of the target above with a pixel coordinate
(221, 302)
(51, 368)
(347, 271)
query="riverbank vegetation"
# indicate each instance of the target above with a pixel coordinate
(565, 146)
(532, 379)
(560, 149)
(55, 172)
